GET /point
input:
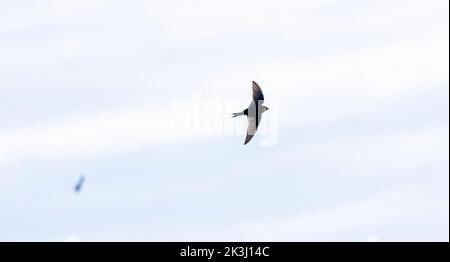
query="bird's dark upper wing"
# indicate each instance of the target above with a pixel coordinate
(257, 92)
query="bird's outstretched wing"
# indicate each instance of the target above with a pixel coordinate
(248, 138)
(252, 127)
(257, 93)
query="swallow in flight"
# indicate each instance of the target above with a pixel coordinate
(253, 112)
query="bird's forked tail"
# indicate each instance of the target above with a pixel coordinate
(238, 114)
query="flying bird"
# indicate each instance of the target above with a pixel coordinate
(253, 112)
(79, 184)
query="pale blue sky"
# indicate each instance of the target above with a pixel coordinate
(138, 95)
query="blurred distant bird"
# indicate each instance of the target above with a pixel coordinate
(79, 184)
(253, 112)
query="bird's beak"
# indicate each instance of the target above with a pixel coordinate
(268, 108)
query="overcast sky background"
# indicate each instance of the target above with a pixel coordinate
(138, 95)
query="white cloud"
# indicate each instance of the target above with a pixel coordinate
(98, 133)
(296, 19)
(200, 19)
(395, 207)
(393, 155)
(391, 214)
